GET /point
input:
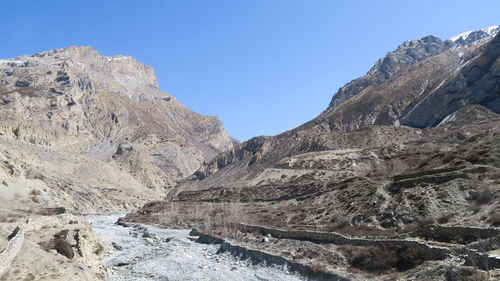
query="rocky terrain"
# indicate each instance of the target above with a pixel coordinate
(143, 252)
(61, 247)
(412, 145)
(83, 133)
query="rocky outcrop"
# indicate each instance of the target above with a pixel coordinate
(254, 148)
(408, 53)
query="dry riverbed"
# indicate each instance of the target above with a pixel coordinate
(144, 252)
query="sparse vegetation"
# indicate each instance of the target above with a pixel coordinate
(208, 215)
(60, 244)
(370, 258)
(481, 197)
(98, 249)
(383, 257)
(444, 219)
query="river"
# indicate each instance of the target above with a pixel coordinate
(144, 252)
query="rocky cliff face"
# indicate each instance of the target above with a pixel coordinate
(109, 108)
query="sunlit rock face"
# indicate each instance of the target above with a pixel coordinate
(109, 108)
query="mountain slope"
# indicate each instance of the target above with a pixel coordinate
(373, 133)
(109, 108)
(393, 93)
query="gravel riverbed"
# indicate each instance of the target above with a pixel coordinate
(144, 252)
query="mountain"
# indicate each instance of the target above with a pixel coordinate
(411, 77)
(418, 85)
(408, 151)
(110, 108)
(87, 132)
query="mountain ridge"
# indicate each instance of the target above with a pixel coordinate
(385, 102)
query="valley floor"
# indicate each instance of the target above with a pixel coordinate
(143, 252)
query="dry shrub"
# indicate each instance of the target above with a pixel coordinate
(475, 158)
(371, 258)
(408, 258)
(35, 192)
(52, 211)
(383, 257)
(207, 214)
(338, 224)
(298, 218)
(418, 225)
(412, 227)
(368, 230)
(465, 273)
(316, 269)
(448, 157)
(343, 226)
(481, 197)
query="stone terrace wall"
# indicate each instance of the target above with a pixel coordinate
(471, 253)
(262, 256)
(10, 252)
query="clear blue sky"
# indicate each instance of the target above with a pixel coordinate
(261, 66)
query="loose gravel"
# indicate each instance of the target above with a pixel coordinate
(144, 252)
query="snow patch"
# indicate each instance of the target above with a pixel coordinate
(11, 61)
(450, 118)
(489, 33)
(117, 58)
(424, 88)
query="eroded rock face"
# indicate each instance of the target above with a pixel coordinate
(109, 108)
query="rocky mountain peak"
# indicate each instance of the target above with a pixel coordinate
(70, 52)
(408, 53)
(129, 72)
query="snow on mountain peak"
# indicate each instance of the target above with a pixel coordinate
(475, 35)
